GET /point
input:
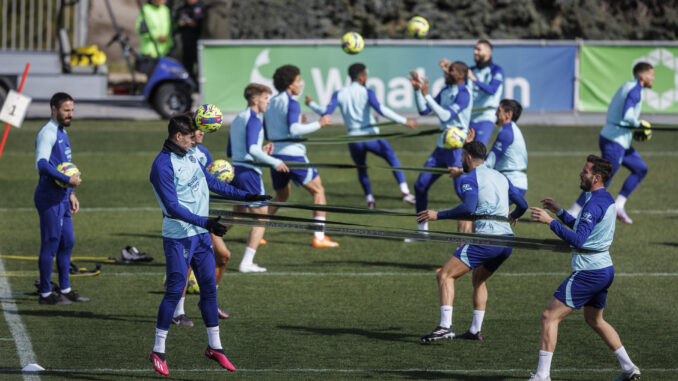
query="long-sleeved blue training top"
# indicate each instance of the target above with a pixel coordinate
(624, 110)
(245, 142)
(487, 91)
(592, 230)
(486, 192)
(452, 106)
(354, 102)
(282, 120)
(52, 148)
(181, 185)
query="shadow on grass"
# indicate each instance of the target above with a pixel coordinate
(672, 244)
(61, 311)
(377, 334)
(381, 264)
(448, 375)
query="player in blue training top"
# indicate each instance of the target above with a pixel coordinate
(621, 126)
(56, 204)
(355, 101)
(509, 153)
(221, 252)
(592, 271)
(484, 192)
(182, 187)
(245, 146)
(283, 120)
(486, 83)
(453, 107)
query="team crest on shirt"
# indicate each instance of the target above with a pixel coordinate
(465, 187)
(191, 158)
(587, 217)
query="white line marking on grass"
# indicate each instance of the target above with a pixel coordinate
(327, 370)
(16, 327)
(396, 274)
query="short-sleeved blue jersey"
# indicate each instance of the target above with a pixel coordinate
(509, 155)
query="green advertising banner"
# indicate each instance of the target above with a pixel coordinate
(604, 68)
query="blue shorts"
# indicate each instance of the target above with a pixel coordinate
(586, 288)
(300, 176)
(250, 181)
(489, 256)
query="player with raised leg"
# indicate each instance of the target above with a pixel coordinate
(484, 192)
(355, 101)
(621, 127)
(283, 120)
(245, 146)
(592, 270)
(182, 187)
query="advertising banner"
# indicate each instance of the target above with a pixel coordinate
(540, 77)
(605, 68)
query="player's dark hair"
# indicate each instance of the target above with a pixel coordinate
(182, 124)
(460, 67)
(284, 76)
(640, 68)
(485, 42)
(254, 89)
(600, 167)
(512, 105)
(476, 149)
(355, 70)
(58, 99)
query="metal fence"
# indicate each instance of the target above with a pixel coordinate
(32, 24)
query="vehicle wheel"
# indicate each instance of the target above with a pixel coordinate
(171, 98)
(3, 95)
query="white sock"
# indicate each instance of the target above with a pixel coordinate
(620, 201)
(574, 210)
(544, 367)
(248, 257)
(477, 322)
(404, 189)
(45, 294)
(446, 316)
(369, 198)
(624, 359)
(213, 337)
(320, 234)
(180, 307)
(422, 226)
(66, 290)
(160, 337)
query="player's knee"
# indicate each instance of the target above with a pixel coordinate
(547, 315)
(642, 171)
(222, 258)
(420, 187)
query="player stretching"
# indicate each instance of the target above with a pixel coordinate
(245, 140)
(484, 191)
(487, 84)
(453, 107)
(182, 187)
(355, 101)
(282, 120)
(621, 126)
(509, 153)
(593, 273)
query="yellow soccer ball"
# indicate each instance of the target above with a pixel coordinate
(453, 138)
(222, 170)
(352, 43)
(68, 169)
(418, 27)
(208, 118)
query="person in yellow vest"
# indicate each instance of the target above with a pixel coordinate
(157, 26)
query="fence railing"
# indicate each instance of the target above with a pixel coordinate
(32, 24)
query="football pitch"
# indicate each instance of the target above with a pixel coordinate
(353, 312)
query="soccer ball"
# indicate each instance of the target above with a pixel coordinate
(418, 27)
(453, 138)
(208, 118)
(642, 135)
(222, 170)
(68, 169)
(192, 288)
(352, 43)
